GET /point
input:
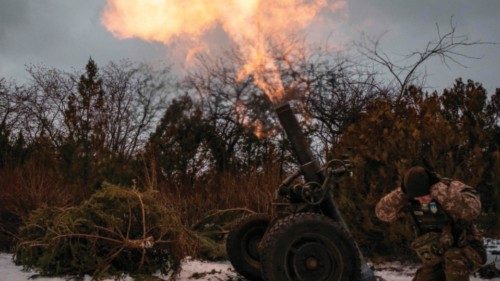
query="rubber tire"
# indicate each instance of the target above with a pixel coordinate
(287, 232)
(246, 264)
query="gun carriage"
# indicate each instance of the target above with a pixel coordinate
(306, 238)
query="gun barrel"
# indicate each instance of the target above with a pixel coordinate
(300, 145)
(301, 149)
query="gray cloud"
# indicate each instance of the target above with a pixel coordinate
(12, 12)
(64, 34)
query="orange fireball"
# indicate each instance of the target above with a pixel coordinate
(251, 24)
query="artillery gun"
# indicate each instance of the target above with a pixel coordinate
(306, 239)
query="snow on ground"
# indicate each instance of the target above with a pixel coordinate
(202, 270)
(191, 270)
(398, 272)
(10, 272)
(223, 271)
(493, 250)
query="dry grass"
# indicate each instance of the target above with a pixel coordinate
(34, 185)
(29, 187)
(254, 191)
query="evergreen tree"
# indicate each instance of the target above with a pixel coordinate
(452, 134)
(5, 146)
(85, 118)
(175, 143)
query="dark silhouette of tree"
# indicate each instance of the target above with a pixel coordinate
(176, 144)
(233, 109)
(85, 118)
(451, 133)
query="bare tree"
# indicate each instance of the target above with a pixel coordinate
(42, 101)
(136, 96)
(8, 105)
(233, 110)
(329, 89)
(446, 46)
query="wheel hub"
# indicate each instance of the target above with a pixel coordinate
(312, 261)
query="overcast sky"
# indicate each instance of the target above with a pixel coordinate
(65, 33)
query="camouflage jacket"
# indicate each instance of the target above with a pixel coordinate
(460, 201)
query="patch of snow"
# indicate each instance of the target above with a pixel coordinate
(11, 272)
(493, 251)
(191, 270)
(203, 270)
(395, 271)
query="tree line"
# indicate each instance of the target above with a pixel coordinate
(62, 135)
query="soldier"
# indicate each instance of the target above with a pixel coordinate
(448, 243)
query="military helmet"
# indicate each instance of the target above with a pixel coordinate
(417, 182)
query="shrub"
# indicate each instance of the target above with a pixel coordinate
(116, 231)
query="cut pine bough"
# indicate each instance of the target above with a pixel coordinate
(116, 231)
